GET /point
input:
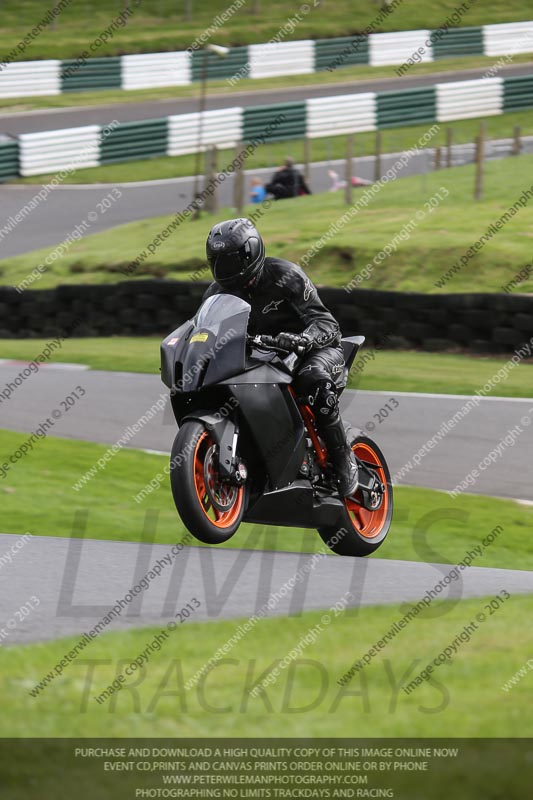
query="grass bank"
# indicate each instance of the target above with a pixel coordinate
(163, 25)
(390, 370)
(463, 698)
(37, 497)
(432, 221)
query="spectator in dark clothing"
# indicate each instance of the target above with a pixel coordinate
(287, 181)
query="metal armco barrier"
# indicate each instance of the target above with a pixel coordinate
(341, 52)
(9, 158)
(223, 128)
(457, 42)
(292, 119)
(54, 151)
(342, 114)
(135, 140)
(518, 93)
(151, 70)
(25, 78)
(464, 99)
(218, 68)
(155, 70)
(412, 107)
(396, 48)
(95, 73)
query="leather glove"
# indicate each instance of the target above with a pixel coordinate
(294, 342)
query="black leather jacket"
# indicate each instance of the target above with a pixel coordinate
(284, 299)
(287, 182)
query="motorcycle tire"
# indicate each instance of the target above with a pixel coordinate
(363, 531)
(210, 509)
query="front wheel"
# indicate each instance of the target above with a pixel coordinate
(363, 531)
(210, 509)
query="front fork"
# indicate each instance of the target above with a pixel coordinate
(231, 467)
(225, 433)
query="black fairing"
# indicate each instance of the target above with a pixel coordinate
(205, 364)
(171, 350)
(276, 427)
(209, 348)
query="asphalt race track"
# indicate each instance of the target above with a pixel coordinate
(78, 581)
(66, 206)
(45, 120)
(115, 400)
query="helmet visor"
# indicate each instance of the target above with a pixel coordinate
(227, 267)
(235, 267)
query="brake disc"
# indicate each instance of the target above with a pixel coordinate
(222, 496)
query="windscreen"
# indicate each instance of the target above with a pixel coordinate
(216, 346)
(219, 307)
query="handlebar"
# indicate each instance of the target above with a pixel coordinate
(270, 343)
(266, 342)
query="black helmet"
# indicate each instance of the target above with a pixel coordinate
(235, 252)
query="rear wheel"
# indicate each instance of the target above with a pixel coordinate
(362, 531)
(210, 509)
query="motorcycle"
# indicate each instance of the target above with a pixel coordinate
(247, 448)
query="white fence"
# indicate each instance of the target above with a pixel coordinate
(152, 70)
(464, 99)
(347, 113)
(156, 69)
(396, 48)
(30, 78)
(508, 38)
(53, 151)
(281, 58)
(222, 128)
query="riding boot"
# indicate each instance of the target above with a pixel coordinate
(340, 455)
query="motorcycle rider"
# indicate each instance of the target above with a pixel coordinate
(282, 298)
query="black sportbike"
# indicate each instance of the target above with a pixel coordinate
(247, 449)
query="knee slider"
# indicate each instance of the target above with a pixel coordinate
(326, 402)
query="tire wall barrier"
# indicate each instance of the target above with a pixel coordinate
(477, 323)
(151, 70)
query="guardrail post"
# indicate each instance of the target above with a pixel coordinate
(238, 181)
(449, 145)
(211, 174)
(307, 159)
(437, 158)
(480, 154)
(377, 161)
(348, 189)
(517, 141)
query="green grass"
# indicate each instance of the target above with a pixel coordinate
(117, 353)
(351, 74)
(37, 497)
(160, 25)
(323, 149)
(390, 370)
(293, 227)
(447, 374)
(464, 699)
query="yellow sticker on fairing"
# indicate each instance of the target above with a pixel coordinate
(199, 337)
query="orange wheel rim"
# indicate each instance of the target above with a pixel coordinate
(220, 519)
(369, 523)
